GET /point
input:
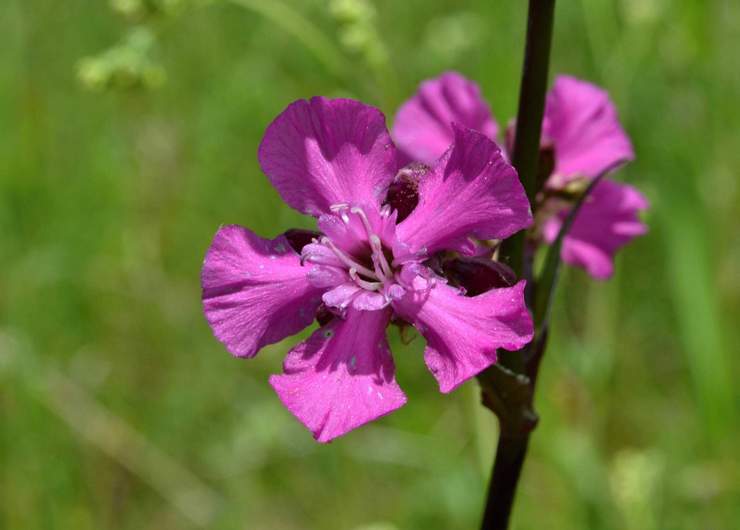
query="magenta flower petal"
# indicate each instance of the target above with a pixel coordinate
(582, 123)
(255, 291)
(423, 125)
(342, 377)
(328, 151)
(608, 220)
(463, 333)
(470, 192)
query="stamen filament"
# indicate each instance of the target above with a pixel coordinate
(378, 250)
(349, 262)
(370, 286)
(365, 221)
(382, 269)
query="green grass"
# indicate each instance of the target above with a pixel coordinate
(120, 410)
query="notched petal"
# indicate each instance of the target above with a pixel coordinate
(255, 291)
(470, 192)
(324, 151)
(342, 377)
(462, 332)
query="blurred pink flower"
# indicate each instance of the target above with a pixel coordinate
(580, 129)
(382, 228)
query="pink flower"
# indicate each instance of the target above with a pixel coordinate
(580, 129)
(379, 258)
(423, 125)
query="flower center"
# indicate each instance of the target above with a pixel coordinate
(371, 279)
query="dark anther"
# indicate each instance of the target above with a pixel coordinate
(478, 275)
(403, 193)
(299, 238)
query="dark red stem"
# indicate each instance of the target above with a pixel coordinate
(513, 441)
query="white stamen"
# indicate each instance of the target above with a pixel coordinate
(349, 262)
(365, 221)
(370, 286)
(378, 269)
(339, 207)
(378, 249)
(382, 272)
(382, 269)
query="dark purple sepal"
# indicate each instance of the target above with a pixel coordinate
(324, 315)
(299, 237)
(545, 164)
(478, 275)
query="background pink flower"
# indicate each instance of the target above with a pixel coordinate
(582, 129)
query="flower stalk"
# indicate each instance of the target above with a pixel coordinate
(511, 398)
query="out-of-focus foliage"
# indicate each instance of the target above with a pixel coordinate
(120, 410)
(124, 66)
(143, 9)
(356, 20)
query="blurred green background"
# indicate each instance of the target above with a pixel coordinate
(118, 409)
